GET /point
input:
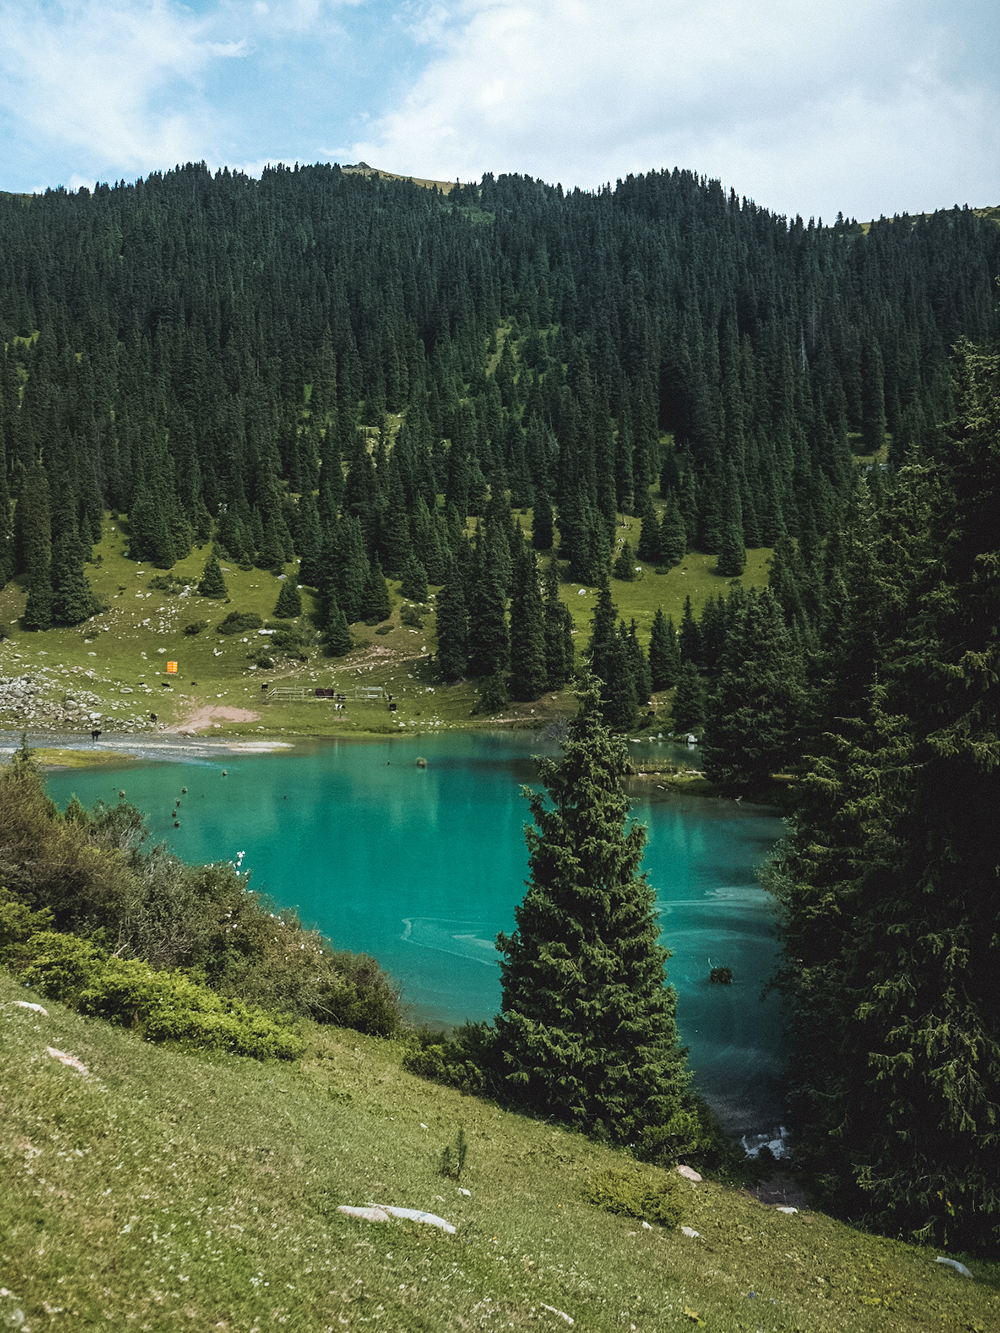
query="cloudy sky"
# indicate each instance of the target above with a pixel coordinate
(860, 106)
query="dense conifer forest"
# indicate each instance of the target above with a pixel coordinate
(381, 380)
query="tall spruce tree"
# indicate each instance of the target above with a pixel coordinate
(889, 877)
(559, 651)
(452, 627)
(528, 667)
(212, 583)
(664, 653)
(688, 708)
(337, 633)
(587, 1031)
(289, 604)
(375, 603)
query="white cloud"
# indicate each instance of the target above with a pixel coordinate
(861, 105)
(89, 76)
(116, 86)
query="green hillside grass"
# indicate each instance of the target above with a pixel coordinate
(120, 655)
(163, 1191)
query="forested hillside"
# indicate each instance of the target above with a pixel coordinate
(380, 381)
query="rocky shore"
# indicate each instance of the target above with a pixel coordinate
(66, 698)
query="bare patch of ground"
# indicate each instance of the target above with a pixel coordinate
(210, 714)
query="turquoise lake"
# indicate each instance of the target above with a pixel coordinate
(422, 867)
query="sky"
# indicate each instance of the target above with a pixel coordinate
(810, 107)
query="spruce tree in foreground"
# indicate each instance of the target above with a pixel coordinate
(587, 1031)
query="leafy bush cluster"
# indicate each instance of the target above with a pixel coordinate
(162, 1006)
(88, 874)
(641, 1192)
(239, 622)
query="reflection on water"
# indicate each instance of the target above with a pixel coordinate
(422, 867)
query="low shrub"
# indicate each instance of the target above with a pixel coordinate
(196, 626)
(163, 1006)
(413, 616)
(60, 966)
(631, 1190)
(239, 622)
(694, 1135)
(168, 1006)
(464, 1060)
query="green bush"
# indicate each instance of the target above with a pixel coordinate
(464, 1061)
(631, 1190)
(196, 626)
(17, 925)
(413, 616)
(286, 640)
(239, 622)
(168, 1006)
(60, 966)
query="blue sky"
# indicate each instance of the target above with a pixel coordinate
(860, 106)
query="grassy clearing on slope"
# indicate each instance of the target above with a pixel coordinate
(120, 656)
(166, 1191)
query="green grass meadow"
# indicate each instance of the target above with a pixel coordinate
(120, 655)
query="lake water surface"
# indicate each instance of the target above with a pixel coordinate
(422, 867)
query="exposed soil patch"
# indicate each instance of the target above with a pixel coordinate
(212, 713)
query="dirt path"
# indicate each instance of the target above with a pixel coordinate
(212, 715)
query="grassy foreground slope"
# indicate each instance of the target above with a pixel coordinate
(162, 1190)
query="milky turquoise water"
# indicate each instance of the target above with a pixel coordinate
(422, 867)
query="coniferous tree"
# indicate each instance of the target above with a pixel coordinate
(212, 584)
(452, 627)
(587, 1031)
(542, 522)
(528, 664)
(753, 714)
(337, 633)
(489, 639)
(559, 652)
(639, 665)
(149, 531)
(888, 878)
(664, 653)
(673, 535)
(34, 534)
(414, 581)
(732, 553)
(649, 534)
(690, 637)
(688, 708)
(624, 567)
(375, 604)
(73, 599)
(289, 604)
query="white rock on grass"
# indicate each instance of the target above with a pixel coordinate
(69, 1060)
(688, 1231)
(35, 1008)
(688, 1172)
(383, 1212)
